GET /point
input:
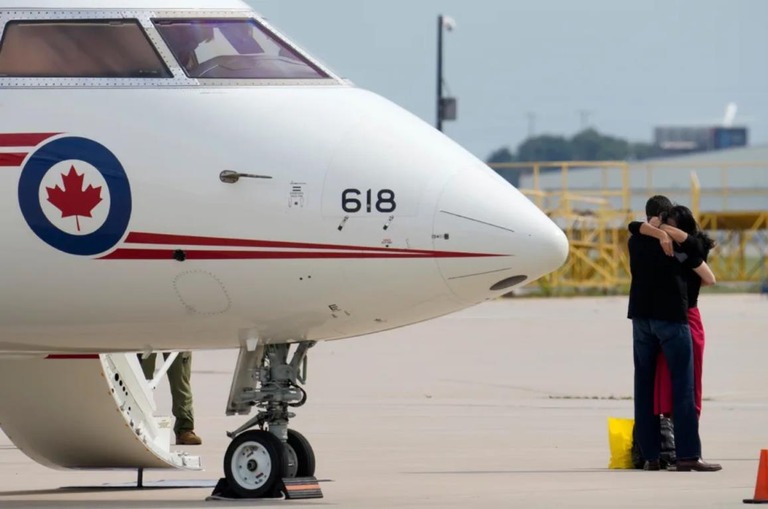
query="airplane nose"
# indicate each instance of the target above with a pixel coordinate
(503, 238)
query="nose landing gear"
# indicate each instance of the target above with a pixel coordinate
(273, 460)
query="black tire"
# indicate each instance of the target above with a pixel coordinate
(305, 456)
(254, 464)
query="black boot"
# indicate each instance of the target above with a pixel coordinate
(667, 456)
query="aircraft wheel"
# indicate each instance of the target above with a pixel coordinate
(254, 464)
(301, 457)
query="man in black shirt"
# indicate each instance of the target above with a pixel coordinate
(658, 308)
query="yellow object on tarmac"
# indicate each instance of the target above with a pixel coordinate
(620, 439)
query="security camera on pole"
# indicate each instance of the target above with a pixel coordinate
(446, 106)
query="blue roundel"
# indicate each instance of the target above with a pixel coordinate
(98, 156)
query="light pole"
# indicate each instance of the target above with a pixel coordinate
(446, 106)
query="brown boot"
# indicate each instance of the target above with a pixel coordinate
(697, 465)
(188, 438)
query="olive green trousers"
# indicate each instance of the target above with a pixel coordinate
(181, 390)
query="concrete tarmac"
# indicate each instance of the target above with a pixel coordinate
(501, 405)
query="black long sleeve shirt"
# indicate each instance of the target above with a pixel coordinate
(658, 290)
(691, 254)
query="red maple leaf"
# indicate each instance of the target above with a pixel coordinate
(72, 199)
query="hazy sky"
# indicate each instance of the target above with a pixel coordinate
(630, 64)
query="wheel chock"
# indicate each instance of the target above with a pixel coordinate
(294, 488)
(301, 487)
(223, 491)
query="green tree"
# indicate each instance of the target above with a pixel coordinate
(504, 155)
(590, 145)
(587, 145)
(544, 148)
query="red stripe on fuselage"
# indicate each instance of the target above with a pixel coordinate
(76, 356)
(8, 160)
(186, 240)
(168, 254)
(23, 139)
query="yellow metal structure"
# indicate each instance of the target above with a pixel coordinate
(595, 217)
(742, 250)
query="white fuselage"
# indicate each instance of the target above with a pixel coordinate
(204, 263)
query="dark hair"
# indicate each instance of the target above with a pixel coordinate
(656, 205)
(685, 221)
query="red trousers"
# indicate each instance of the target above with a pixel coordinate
(662, 403)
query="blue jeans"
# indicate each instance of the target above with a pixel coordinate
(674, 339)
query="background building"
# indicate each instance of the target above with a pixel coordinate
(676, 140)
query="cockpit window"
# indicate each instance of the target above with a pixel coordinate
(233, 48)
(79, 49)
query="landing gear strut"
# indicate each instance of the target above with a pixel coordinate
(261, 463)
